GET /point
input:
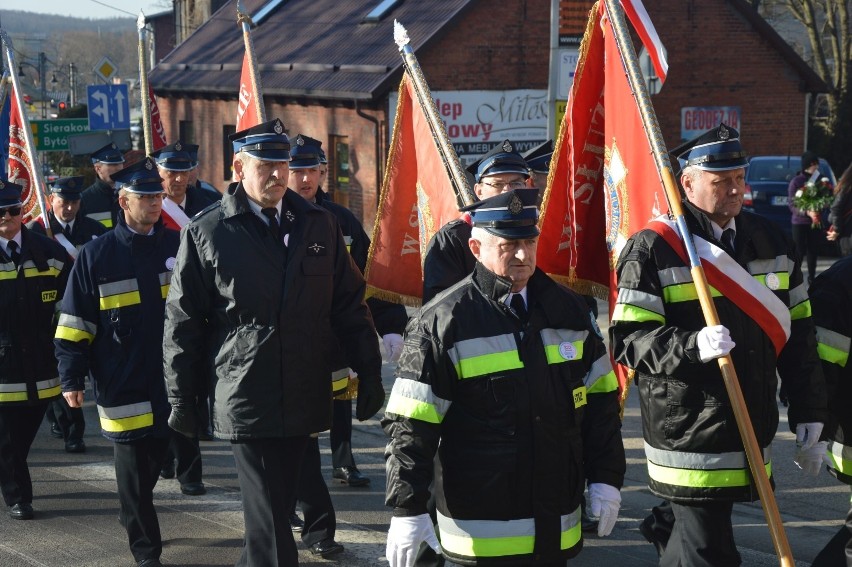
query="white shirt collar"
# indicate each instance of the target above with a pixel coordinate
(5, 242)
(718, 230)
(257, 208)
(522, 293)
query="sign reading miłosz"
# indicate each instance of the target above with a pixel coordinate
(52, 135)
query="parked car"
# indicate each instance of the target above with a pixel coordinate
(767, 179)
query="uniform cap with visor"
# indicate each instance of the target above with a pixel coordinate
(69, 188)
(305, 152)
(718, 149)
(538, 158)
(266, 141)
(501, 159)
(108, 154)
(141, 178)
(511, 215)
(10, 194)
(175, 157)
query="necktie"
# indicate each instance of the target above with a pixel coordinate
(13, 252)
(66, 230)
(728, 239)
(519, 306)
(272, 214)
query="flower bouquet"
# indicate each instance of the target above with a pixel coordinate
(814, 197)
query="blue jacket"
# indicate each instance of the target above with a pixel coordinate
(112, 326)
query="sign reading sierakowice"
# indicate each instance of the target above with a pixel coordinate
(477, 121)
(52, 135)
(695, 120)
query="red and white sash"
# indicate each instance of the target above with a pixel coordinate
(173, 215)
(734, 282)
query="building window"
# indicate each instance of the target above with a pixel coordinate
(228, 152)
(186, 132)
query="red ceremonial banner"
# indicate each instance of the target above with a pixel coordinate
(416, 200)
(158, 133)
(20, 167)
(246, 101)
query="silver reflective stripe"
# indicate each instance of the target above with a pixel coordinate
(471, 348)
(700, 461)
(840, 451)
(347, 240)
(78, 323)
(100, 216)
(420, 392)
(674, 276)
(555, 337)
(340, 374)
(491, 529)
(116, 288)
(120, 412)
(647, 301)
(51, 262)
(600, 368)
(20, 387)
(798, 294)
(833, 339)
(165, 278)
(765, 266)
(45, 384)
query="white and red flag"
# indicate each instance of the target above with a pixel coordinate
(20, 168)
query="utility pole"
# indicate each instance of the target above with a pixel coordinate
(72, 83)
(42, 63)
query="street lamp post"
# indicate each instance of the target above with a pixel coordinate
(72, 82)
(40, 69)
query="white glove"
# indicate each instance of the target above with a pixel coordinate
(807, 435)
(810, 460)
(393, 346)
(605, 500)
(405, 536)
(714, 342)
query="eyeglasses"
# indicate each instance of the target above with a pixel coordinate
(511, 185)
(13, 211)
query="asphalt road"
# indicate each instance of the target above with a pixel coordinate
(77, 507)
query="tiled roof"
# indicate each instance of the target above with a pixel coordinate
(311, 48)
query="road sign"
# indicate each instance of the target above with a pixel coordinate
(52, 135)
(109, 108)
(105, 69)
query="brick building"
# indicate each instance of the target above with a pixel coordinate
(330, 70)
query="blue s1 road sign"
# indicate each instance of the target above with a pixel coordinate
(109, 108)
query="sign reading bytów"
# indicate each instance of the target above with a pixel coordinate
(52, 135)
(695, 120)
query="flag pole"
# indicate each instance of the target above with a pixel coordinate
(38, 174)
(729, 376)
(245, 22)
(464, 194)
(5, 81)
(144, 92)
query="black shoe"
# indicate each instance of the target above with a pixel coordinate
(168, 470)
(648, 533)
(21, 511)
(75, 446)
(296, 523)
(149, 563)
(326, 548)
(350, 475)
(193, 488)
(56, 431)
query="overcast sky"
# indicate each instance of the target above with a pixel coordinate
(94, 8)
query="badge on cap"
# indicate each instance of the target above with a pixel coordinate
(507, 146)
(724, 134)
(279, 128)
(567, 351)
(178, 146)
(149, 165)
(300, 141)
(515, 205)
(773, 282)
(71, 183)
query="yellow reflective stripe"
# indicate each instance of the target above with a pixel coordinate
(49, 392)
(103, 218)
(631, 313)
(834, 355)
(164, 290)
(840, 457)
(783, 280)
(33, 272)
(13, 392)
(685, 292)
(413, 409)
(126, 423)
(488, 364)
(73, 335)
(719, 478)
(557, 354)
(606, 383)
(120, 300)
(833, 346)
(8, 271)
(801, 311)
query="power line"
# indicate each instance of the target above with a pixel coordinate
(104, 4)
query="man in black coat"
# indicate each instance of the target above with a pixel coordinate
(263, 289)
(72, 230)
(100, 200)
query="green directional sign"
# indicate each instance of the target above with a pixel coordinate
(52, 135)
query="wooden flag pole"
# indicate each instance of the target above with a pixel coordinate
(144, 89)
(245, 22)
(464, 194)
(38, 174)
(732, 384)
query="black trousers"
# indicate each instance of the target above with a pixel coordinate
(268, 472)
(314, 499)
(702, 537)
(187, 456)
(340, 435)
(838, 551)
(70, 420)
(18, 428)
(137, 468)
(807, 242)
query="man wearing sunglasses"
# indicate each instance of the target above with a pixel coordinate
(33, 273)
(448, 258)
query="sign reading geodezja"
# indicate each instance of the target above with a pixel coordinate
(695, 120)
(52, 135)
(476, 121)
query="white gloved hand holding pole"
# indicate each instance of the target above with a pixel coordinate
(393, 346)
(810, 459)
(405, 535)
(714, 342)
(807, 435)
(604, 501)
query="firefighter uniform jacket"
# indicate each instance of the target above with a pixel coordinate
(29, 298)
(266, 317)
(831, 296)
(83, 229)
(112, 326)
(519, 414)
(388, 317)
(100, 202)
(448, 258)
(197, 199)
(692, 445)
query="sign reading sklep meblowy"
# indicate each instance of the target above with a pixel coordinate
(695, 120)
(52, 135)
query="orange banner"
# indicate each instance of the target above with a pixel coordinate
(246, 101)
(416, 200)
